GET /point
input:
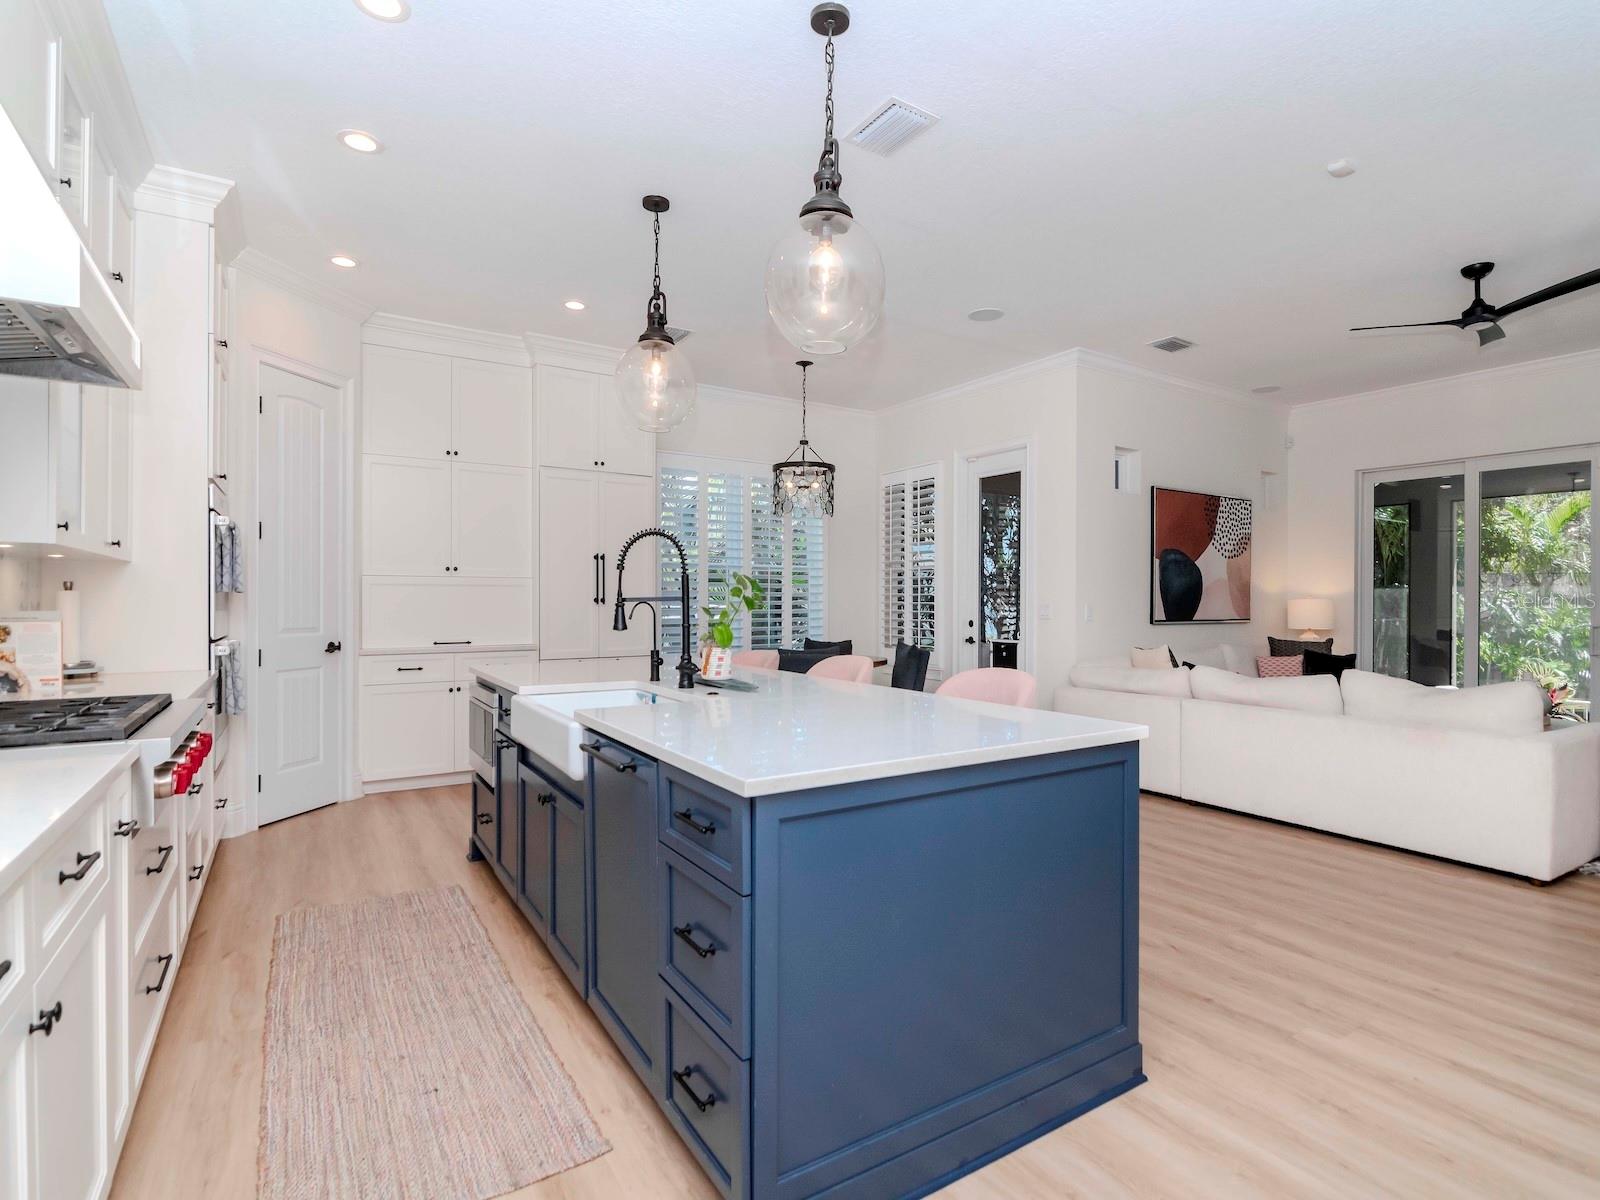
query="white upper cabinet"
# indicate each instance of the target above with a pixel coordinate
(121, 269)
(30, 73)
(492, 518)
(405, 520)
(491, 413)
(63, 466)
(118, 453)
(581, 426)
(405, 403)
(584, 517)
(72, 158)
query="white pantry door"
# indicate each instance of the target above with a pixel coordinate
(299, 746)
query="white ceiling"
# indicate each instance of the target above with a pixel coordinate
(1106, 173)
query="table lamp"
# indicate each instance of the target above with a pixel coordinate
(1310, 614)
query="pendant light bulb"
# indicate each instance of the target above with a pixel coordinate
(655, 383)
(824, 278)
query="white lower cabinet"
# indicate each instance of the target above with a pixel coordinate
(15, 1015)
(408, 729)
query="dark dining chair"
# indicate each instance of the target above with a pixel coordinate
(910, 667)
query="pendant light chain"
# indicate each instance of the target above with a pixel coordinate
(803, 439)
(827, 107)
(658, 302)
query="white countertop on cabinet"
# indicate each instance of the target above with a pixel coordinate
(796, 732)
(43, 787)
(517, 680)
(180, 685)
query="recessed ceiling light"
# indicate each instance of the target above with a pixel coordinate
(575, 305)
(360, 141)
(385, 10)
(986, 314)
(1342, 168)
(55, 555)
(6, 546)
(1444, 487)
(343, 260)
(1266, 389)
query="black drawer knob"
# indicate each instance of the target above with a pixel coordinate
(48, 1019)
(686, 935)
(687, 817)
(166, 965)
(682, 1078)
(86, 864)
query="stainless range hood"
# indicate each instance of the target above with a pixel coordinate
(58, 318)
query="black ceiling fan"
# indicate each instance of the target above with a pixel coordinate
(1485, 317)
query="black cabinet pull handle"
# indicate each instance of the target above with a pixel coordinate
(502, 742)
(468, 642)
(546, 798)
(687, 818)
(485, 818)
(683, 1081)
(408, 668)
(611, 759)
(126, 829)
(166, 965)
(67, 182)
(222, 802)
(686, 934)
(86, 864)
(195, 789)
(5, 968)
(166, 853)
(596, 597)
(117, 543)
(63, 524)
(602, 580)
(117, 275)
(195, 874)
(48, 1019)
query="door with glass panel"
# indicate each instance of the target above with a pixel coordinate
(990, 546)
(1481, 571)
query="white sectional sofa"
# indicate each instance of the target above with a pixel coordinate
(1470, 775)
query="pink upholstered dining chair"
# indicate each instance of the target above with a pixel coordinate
(765, 660)
(854, 668)
(998, 685)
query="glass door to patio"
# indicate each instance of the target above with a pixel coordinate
(1480, 571)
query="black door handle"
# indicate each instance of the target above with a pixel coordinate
(687, 818)
(126, 829)
(595, 751)
(970, 640)
(166, 853)
(166, 965)
(686, 934)
(603, 579)
(333, 647)
(86, 864)
(683, 1081)
(48, 1017)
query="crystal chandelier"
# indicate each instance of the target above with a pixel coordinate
(655, 384)
(825, 276)
(803, 484)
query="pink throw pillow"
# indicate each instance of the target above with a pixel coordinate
(1276, 667)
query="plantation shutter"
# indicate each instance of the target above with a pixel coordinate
(679, 489)
(910, 581)
(921, 537)
(894, 563)
(766, 564)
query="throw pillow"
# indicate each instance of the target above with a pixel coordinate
(801, 661)
(1153, 658)
(1278, 666)
(1319, 663)
(1240, 662)
(1278, 647)
(844, 647)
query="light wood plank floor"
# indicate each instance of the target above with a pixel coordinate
(1320, 1018)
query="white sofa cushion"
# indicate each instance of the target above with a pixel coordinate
(1509, 709)
(1112, 676)
(1211, 656)
(1161, 715)
(1238, 660)
(1301, 693)
(1152, 658)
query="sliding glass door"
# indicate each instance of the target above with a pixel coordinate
(1481, 571)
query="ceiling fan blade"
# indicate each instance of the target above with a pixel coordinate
(1489, 333)
(1565, 288)
(1413, 325)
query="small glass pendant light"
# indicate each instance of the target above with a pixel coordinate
(655, 384)
(802, 485)
(825, 276)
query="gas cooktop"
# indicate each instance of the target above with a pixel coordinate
(101, 719)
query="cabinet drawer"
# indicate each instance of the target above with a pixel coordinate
(709, 827)
(417, 668)
(195, 869)
(152, 967)
(486, 819)
(69, 874)
(707, 1094)
(13, 955)
(705, 948)
(149, 856)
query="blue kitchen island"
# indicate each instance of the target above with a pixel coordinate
(857, 942)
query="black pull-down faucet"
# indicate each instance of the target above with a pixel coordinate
(619, 612)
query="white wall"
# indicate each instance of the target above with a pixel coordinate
(1531, 406)
(763, 429)
(1190, 438)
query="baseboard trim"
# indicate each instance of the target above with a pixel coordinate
(411, 783)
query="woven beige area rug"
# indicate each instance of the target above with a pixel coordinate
(401, 1063)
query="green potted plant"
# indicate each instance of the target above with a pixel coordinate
(745, 594)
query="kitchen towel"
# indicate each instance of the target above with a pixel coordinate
(232, 680)
(229, 558)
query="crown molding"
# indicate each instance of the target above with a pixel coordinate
(569, 352)
(435, 337)
(1112, 365)
(711, 391)
(97, 74)
(1578, 359)
(285, 278)
(174, 192)
(1038, 366)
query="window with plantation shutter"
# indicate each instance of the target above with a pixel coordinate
(910, 580)
(722, 513)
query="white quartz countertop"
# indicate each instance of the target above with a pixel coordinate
(43, 788)
(180, 685)
(517, 680)
(796, 732)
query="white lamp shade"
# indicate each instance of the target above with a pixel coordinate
(1311, 613)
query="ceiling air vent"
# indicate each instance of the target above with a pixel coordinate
(891, 125)
(677, 335)
(1172, 344)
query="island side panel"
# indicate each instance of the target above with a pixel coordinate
(944, 966)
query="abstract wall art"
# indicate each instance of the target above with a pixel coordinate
(1199, 557)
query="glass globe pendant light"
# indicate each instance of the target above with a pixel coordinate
(802, 485)
(825, 276)
(655, 384)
